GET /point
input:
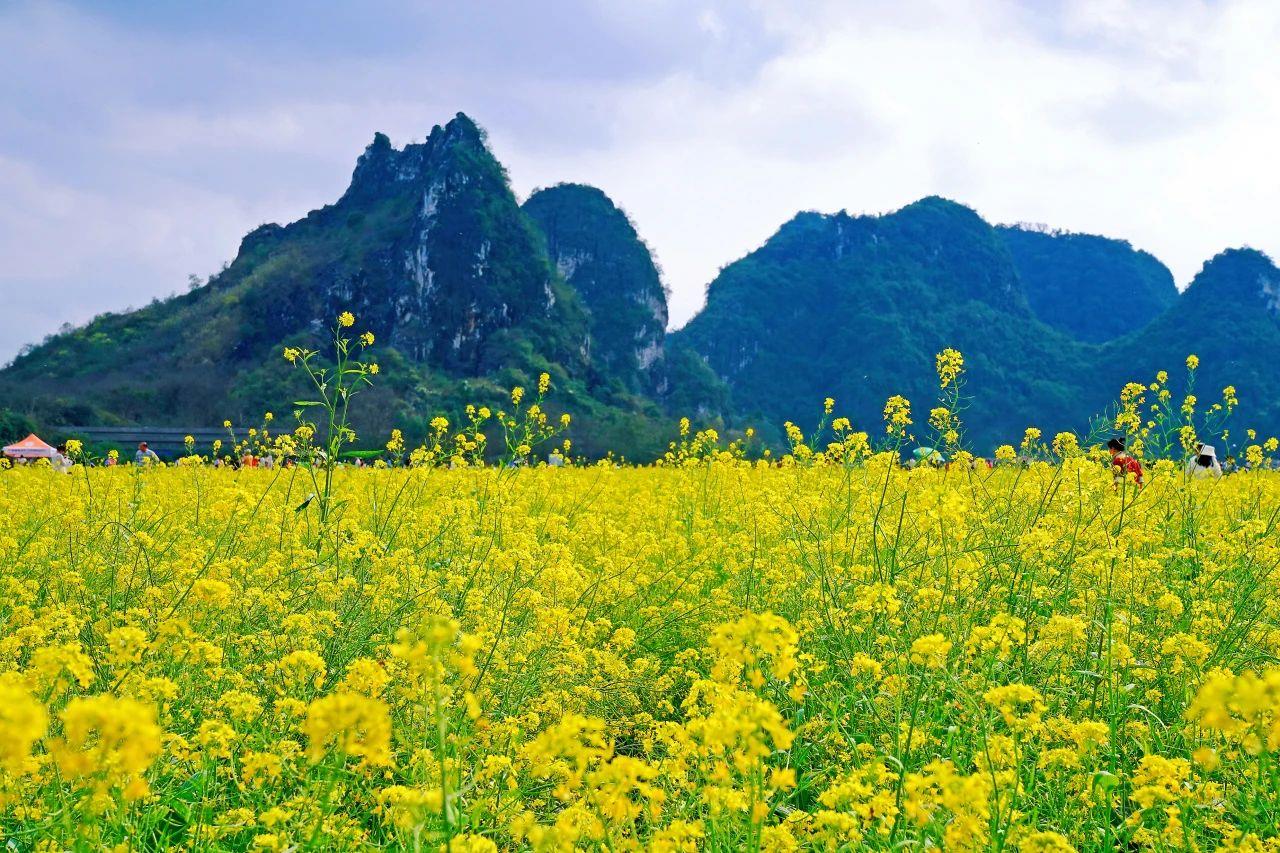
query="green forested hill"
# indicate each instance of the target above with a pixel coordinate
(856, 308)
(1230, 318)
(1092, 288)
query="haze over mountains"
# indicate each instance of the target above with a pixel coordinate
(469, 293)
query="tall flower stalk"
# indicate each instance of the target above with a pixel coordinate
(335, 385)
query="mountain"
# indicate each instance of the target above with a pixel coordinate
(469, 293)
(855, 307)
(1230, 318)
(430, 250)
(595, 247)
(1092, 288)
(1052, 325)
(454, 275)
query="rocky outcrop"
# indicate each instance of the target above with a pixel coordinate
(459, 267)
(596, 249)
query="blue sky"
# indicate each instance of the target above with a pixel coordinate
(139, 141)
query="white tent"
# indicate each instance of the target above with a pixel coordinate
(31, 447)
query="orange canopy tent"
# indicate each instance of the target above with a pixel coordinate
(30, 447)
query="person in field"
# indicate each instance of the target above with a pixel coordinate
(1122, 464)
(1204, 463)
(145, 455)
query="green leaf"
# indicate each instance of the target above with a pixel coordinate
(305, 403)
(1105, 781)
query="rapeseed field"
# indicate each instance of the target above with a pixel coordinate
(713, 654)
(831, 650)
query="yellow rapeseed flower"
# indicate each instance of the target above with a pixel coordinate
(349, 724)
(109, 741)
(23, 722)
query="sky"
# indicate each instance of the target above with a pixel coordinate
(139, 141)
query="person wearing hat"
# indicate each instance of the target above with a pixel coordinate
(1122, 463)
(145, 455)
(1204, 463)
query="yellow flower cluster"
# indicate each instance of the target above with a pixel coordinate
(709, 654)
(949, 364)
(897, 415)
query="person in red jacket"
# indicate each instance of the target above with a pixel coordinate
(1122, 463)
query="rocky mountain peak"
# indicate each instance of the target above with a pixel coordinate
(595, 247)
(384, 169)
(461, 129)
